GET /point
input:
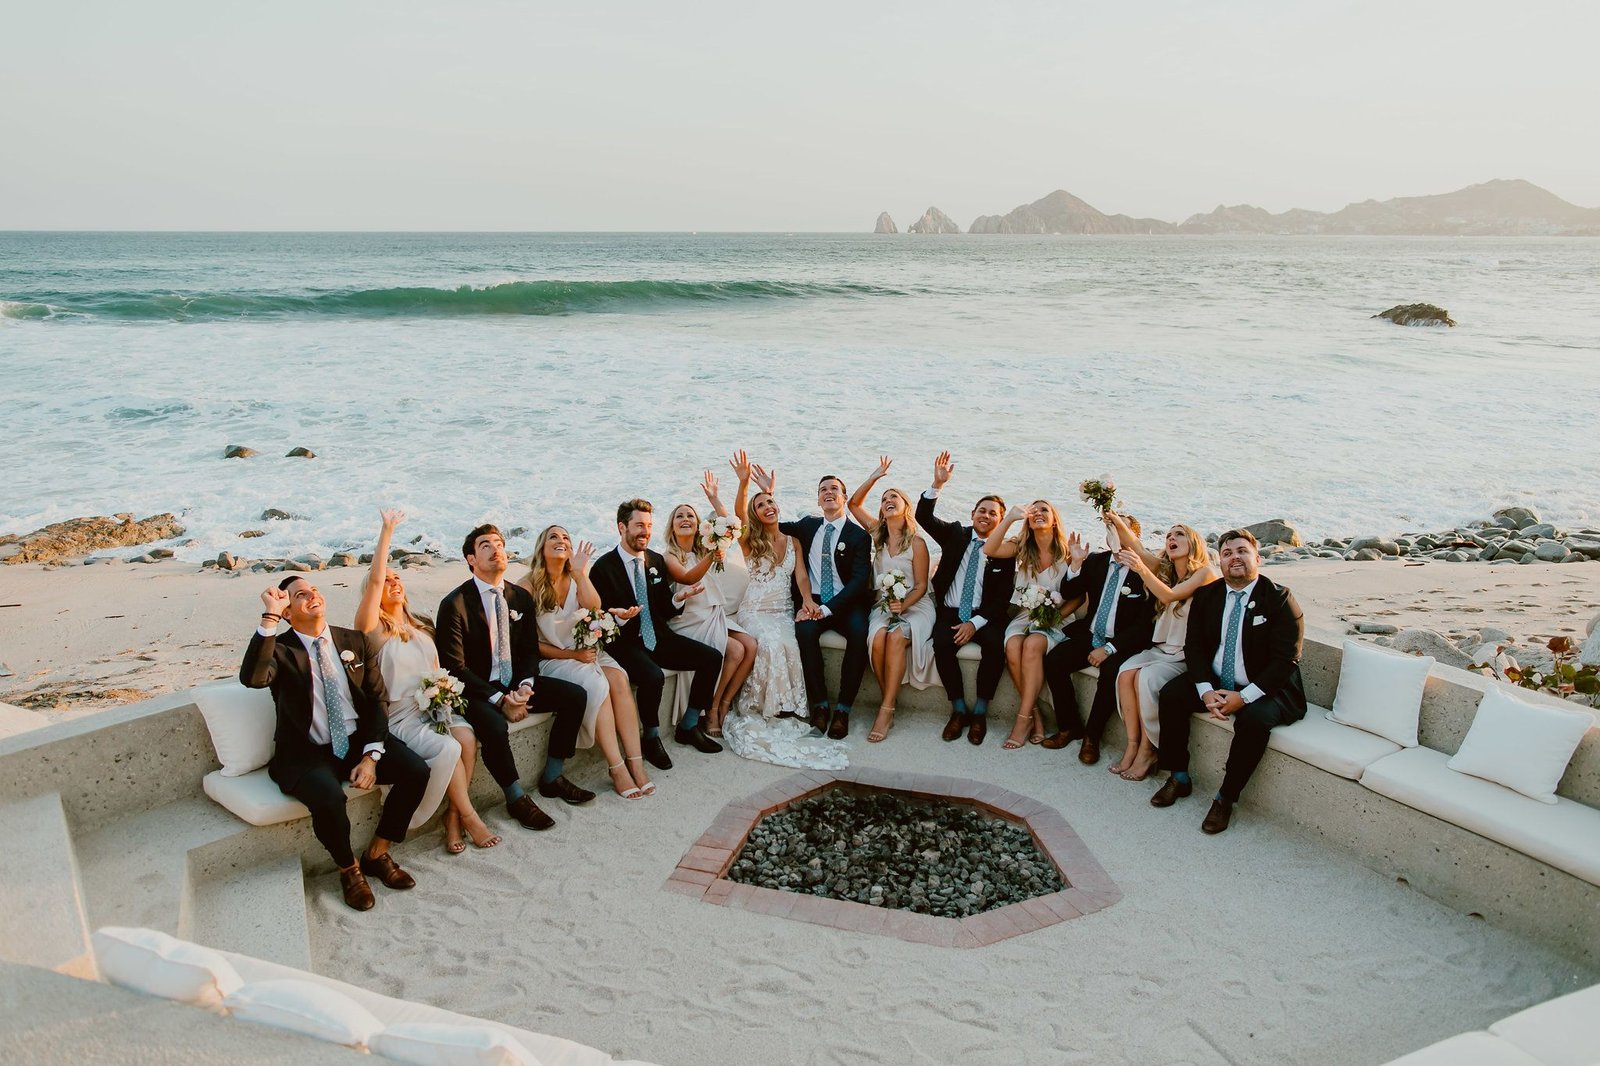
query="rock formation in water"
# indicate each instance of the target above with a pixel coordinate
(885, 224)
(1062, 212)
(79, 536)
(934, 220)
(1417, 315)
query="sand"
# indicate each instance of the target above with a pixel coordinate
(81, 638)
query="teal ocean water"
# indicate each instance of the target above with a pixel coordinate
(542, 378)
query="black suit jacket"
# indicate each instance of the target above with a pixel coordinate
(613, 580)
(462, 636)
(852, 560)
(1136, 617)
(1271, 640)
(999, 575)
(283, 665)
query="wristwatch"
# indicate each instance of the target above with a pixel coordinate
(374, 755)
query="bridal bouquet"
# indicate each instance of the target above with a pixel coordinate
(440, 696)
(592, 630)
(893, 585)
(1099, 493)
(1042, 606)
(719, 534)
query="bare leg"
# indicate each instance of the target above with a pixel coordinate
(892, 654)
(459, 795)
(1128, 708)
(732, 659)
(736, 679)
(1143, 759)
(876, 655)
(625, 723)
(1034, 646)
(1021, 728)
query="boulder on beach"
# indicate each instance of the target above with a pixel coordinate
(934, 220)
(77, 537)
(885, 224)
(1427, 642)
(1520, 517)
(238, 451)
(300, 453)
(1417, 315)
(1381, 545)
(1276, 531)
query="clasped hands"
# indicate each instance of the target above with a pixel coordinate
(1220, 703)
(809, 611)
(514, 704)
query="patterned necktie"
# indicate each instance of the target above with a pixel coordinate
(1108, 597)
(647, 625)
(334, 699)
(502, 638)
(1230, 638)
(827, 564)
(969, 580)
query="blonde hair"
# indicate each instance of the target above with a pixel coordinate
(756, 541)
(538, 580)
(1028, 554)
(673, 548)
(880, 536)
(1198, 559)
(400, 624)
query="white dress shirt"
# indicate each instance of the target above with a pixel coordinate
(486, 593)
(319, 703)
(814, 561)
(1250, 692)
(953, 597)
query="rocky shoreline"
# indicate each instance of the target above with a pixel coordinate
(1510, 535)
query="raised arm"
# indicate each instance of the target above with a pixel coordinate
(259, 667)
(741, 470)
(858, 498)
(939, 529)
(997, 546)
(687, 575)
(372, 595)
(708, 485)
(1163, 592)
(1127, 538)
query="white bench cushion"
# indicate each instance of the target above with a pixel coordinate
(257, 799)
(1565, 834)
(1327, 745)
(1561, 1032)
(1468, 1049)
(241, 722)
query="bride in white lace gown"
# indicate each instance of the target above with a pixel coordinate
(768, 722)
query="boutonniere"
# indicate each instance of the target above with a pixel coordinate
(516, 616)
(1126, 591)
(653, 572)
(1251, 605)
(348, 657)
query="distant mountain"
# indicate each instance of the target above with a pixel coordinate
(934, 220)
(1062, 212)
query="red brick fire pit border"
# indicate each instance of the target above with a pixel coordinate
(701, 872)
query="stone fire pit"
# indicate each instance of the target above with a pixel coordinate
(937, 860)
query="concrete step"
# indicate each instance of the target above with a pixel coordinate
(258, 911)
(43, 923)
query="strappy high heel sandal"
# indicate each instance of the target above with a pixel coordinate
(649, 787)
(881, 732)
(1012, 743)
(630, 793)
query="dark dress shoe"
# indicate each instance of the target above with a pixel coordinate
(1171, 791)
(1217, 817)
(697, 738)
(385, 869)
(954, 727)
(357, 893)
(655, 753)
(980, 729)
(819, 719)
(839, 728)
(564, 790)
(1089, 754)
(527, 812)
(1059, 740)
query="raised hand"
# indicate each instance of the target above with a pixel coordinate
(1016, 514)
(1077, 549)
(1131, 559)
(392, 516)
(708, 485)
(943, 468)
(764, 479)
(581, 556)
(692, 591)
(884, 463)
(275, 600)
(624, 614)
(741, 465)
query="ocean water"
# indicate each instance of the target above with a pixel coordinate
(540, 378)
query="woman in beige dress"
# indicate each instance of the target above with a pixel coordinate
(1172, 577)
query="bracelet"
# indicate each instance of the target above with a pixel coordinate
(274, 617)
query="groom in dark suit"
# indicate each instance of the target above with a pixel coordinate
(1243, 663)
(333, 728)
(488, 637)
(1118, 619)
(838, 558)
(634, 585)
(970, 594)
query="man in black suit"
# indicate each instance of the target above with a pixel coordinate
(838, 560)
(1118, 620)
(1243, 662)
(633, 584)
(488, 638)
(332, 728)
(970, 594)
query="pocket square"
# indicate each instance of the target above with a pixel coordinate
(1258, 619)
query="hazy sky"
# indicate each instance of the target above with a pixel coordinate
(494, 114)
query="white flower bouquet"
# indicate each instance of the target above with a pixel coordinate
(1099, 493)
(592, 630)
(718, 534)
(440, 696)
(1042, 606)
(893, 586)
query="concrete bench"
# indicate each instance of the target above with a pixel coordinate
(1561, 1032)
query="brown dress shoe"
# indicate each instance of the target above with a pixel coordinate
(527, 812)
(1089, 754)
(1059, 740)
(385, 869)
(980, 729)
(1217, 817)
(839, 728)
(357, 893)
(954, 727)
(1171, 791)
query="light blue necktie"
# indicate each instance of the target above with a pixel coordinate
(969, 581)
(647, 625)
(502, 639)
(1108, 597)
(334, 699)
(827, 564)
(1230, 641)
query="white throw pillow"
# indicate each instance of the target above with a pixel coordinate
(434, 1044)
(1380, 691)
(1520, 745)
(307, 1008)
(160, 965)
(241, 722)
